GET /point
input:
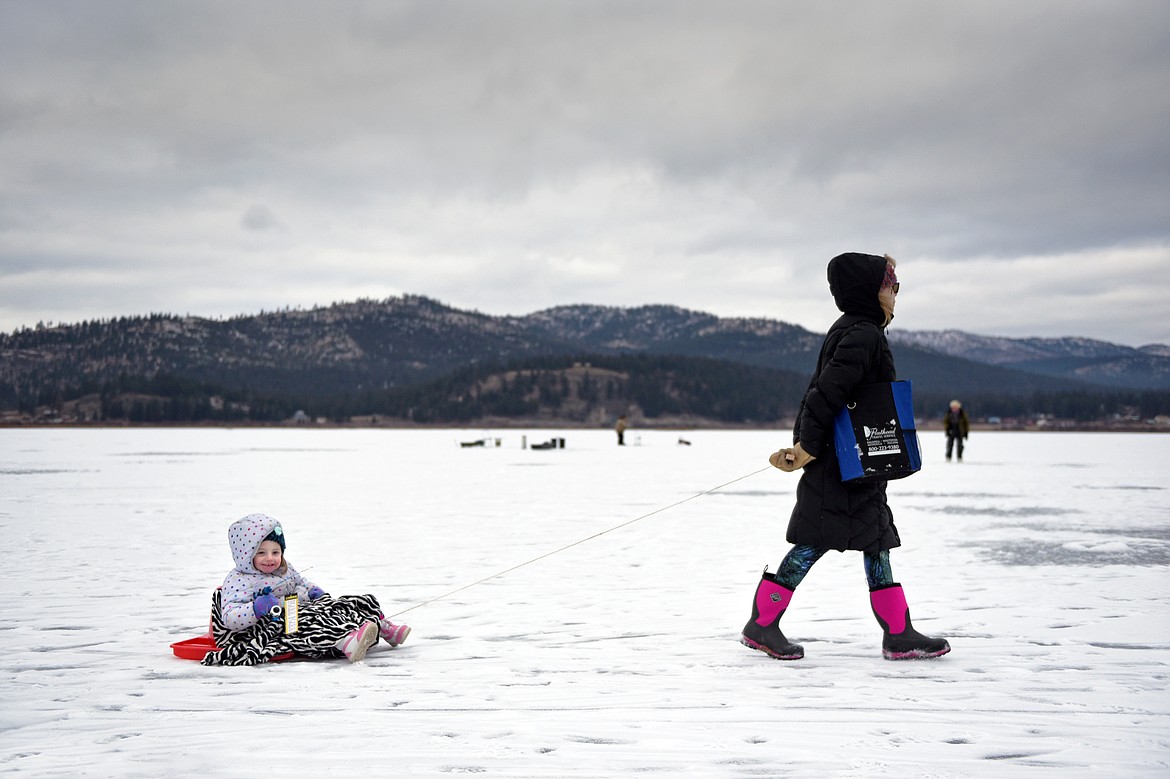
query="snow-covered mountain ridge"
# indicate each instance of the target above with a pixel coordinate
(999, 350)
(399, 341)
(1087, 359)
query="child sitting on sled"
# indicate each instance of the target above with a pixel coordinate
(248, 619)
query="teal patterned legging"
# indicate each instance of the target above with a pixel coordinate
(801, 558)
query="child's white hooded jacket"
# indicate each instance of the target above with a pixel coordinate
(244, 584)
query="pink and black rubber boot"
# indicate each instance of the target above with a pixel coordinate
(900, 640)
(762, 631)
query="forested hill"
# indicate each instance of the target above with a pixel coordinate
(355, 358)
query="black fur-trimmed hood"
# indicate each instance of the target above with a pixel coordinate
(854, 281)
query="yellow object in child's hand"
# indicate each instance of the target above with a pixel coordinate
(291, 621)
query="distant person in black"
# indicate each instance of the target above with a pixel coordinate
(956, 426)
(620, 429)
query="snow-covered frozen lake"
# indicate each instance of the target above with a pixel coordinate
(1044, 558)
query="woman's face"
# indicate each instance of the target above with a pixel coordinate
(268, 557)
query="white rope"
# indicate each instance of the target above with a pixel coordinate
(518, 566)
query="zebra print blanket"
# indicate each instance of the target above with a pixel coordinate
(322, 623)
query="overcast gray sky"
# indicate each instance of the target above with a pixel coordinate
(219, 158)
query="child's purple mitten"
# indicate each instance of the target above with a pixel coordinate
(315, 592)
(263, 605)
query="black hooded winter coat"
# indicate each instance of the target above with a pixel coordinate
(829, 513)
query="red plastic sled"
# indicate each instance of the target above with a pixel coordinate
(194, 648)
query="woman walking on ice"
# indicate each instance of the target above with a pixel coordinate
(830, 514)
(248, 625)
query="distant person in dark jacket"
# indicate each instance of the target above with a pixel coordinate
(830, 514)
(620, 429)
(956, 426)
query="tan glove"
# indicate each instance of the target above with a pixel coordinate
(789, 460)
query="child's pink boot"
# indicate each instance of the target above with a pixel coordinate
(394, 634)
(355, 644)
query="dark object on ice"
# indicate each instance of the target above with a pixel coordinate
(683, 442)
(552, 443)
(480, 442)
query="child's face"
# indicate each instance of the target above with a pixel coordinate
(268, 557)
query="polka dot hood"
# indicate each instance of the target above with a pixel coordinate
(245, 583)
(245, 536)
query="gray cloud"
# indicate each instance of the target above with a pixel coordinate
(510, 156)
(260, 217)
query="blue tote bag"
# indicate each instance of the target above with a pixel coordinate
(875, 435)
